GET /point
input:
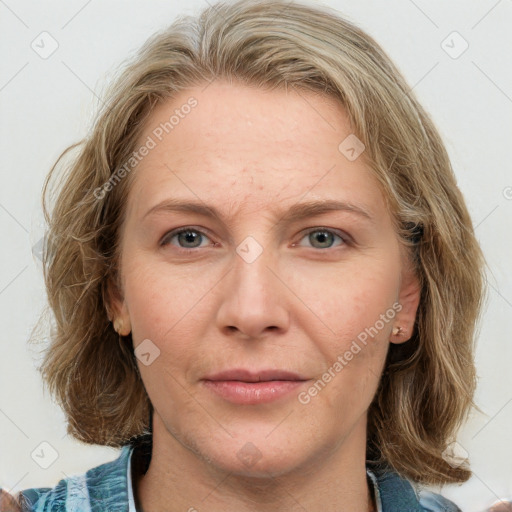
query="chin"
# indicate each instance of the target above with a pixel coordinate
(265, 465)
(256, 456)
(254, 448)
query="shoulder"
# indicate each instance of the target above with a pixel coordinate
(8, 502)
(396, 493)
(105, 484)
(432, 502)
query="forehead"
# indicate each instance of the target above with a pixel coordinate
(232, 144)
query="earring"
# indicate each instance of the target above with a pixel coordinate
(118, 325)
(397, 331)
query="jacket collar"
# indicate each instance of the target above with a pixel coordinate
(108, 487)
(391, 491)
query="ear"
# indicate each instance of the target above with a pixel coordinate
(409, 299)
(117, 309)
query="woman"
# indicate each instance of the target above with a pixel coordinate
(264, 278)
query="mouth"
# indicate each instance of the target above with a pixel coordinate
(243, 375)
(245, 387)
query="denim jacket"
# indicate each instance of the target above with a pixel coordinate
(108, 488)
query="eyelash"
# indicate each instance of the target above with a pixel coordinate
(346, 240)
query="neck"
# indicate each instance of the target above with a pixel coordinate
(179, 479)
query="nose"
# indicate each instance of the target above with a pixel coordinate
(254, 301)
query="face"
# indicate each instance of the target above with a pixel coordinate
(261, 279)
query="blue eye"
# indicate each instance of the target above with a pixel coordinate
(321, 238)
(187, 238)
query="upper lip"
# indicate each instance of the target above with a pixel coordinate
(244, 375)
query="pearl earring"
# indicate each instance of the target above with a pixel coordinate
(397, 331)
(118, 325)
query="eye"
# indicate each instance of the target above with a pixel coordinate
(322, 238)
(185, 238)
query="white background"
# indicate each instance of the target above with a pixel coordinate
(47, 104)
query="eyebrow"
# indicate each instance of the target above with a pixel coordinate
(296, 212)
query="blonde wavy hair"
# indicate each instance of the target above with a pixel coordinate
(427, 386)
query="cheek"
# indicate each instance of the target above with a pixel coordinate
(352, 320)
(163, 301)
(167, 308)
(346, 301)
(353, 365)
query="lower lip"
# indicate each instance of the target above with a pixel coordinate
(248, 393)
